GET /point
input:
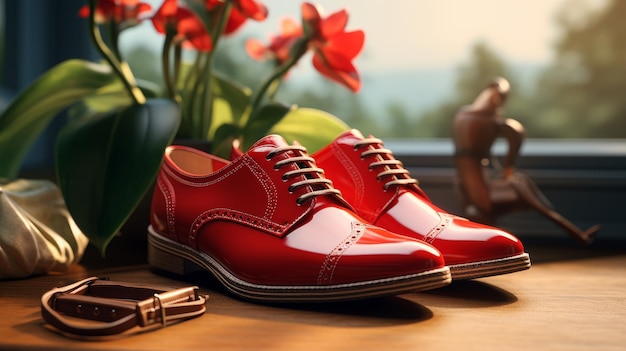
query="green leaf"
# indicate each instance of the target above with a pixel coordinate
(262, 122)
(310, 127)
(108, 98)
(114, 95)
(230, 104)
(106, 164)
(29, 114)
(222, 114)
(237, 96)
(224, 136)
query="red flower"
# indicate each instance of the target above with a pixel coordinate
(187, 26)
(242, 10)
(280, 45)
(129, 12)
(334, 48)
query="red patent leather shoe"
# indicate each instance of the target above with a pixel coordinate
(382, 192)
(270, 227)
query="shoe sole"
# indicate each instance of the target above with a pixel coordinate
(171, 256)
(489, 268)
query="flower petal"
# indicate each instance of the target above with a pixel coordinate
(334, 24)
(256, 49)
(252, 9)
(235, 21)
(126, 12)
(289, 27)
(348, 44)
(311, 17)
(337, 68)
(166, 15)
(191, 28)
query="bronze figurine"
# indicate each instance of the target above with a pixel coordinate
(489, 188)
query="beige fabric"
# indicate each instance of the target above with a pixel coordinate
(37, 233)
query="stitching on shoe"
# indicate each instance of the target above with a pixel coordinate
(355, 175)
(266, 183)
(235, 216)
(170, 203)
(203, 184)
(254, 167)
(445, 220)
(327, 270)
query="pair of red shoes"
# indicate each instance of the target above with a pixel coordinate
(271, 226)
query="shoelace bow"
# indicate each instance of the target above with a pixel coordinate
(391, 167)
(305, 166)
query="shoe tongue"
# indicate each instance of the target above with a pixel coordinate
(272, 140)
(352, 134)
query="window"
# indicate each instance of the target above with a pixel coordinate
(422, 61)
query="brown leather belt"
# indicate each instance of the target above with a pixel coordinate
(117, 307)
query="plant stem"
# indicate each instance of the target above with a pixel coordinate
(203, 115)
(206, 104)
(177, 62)
(114, 37)
(278, 73)
(273, 89)
(165, 61)
(122, 71)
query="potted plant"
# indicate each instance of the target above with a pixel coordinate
(108, 154)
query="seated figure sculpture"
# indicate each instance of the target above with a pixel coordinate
(489, 188)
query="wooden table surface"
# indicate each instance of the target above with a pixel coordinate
(569, 300)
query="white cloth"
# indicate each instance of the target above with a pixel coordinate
(37, 233)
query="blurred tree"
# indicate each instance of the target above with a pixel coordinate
(581, 94)
(330, 97)
(233, 62)
(399, 124)
(356, 115)
(483, 65)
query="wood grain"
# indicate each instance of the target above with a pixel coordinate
(570, 304)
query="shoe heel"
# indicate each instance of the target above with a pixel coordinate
(168, 261)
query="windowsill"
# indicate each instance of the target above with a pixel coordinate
(531, 147)
(584, 179)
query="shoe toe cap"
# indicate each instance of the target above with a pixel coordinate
(465, 241)
(381, 254)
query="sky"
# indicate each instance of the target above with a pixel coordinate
(423, 34)
(402, 34)
(421, 42)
